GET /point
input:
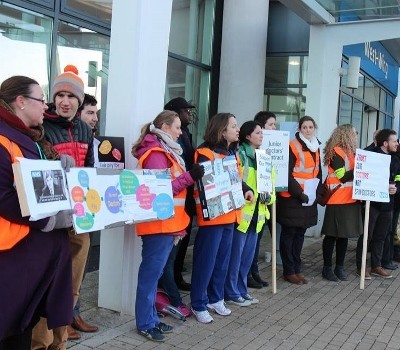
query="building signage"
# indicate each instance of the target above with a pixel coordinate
(377, 62)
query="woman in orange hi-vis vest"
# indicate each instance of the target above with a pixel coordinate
(213, 243)
(294, 210)
(342, 218)
(35, 257)
(157, 148)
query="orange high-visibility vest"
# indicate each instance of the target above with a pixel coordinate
(180, 220)
(228, 218)
(343, 195)
(305, 167)
(10, 232)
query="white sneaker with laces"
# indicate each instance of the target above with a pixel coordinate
(202, 316)
(252, 300)
(220, 308)
(239, 302)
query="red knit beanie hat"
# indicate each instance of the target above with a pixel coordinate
(69, 81)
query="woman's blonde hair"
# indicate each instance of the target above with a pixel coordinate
(343, 137)
(165, 117)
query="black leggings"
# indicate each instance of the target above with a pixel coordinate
(17, 342)
(328, 245)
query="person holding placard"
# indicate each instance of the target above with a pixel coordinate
(380, 214)
(296, 209)
(35, 257)
(342, 218)
(157, 148)
(253, 219)
(267, 120)
(213, 243)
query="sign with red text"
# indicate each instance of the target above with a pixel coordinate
(371, 176)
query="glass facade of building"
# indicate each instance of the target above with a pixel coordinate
(39, 38)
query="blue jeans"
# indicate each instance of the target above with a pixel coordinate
(167, 280)
(211, 254)
(243, 246)
(155, 252)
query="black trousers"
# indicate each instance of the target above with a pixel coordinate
(378, 229)
(291, 244)
(328, 245)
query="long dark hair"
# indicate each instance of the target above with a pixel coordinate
(247, 129)
(216, 126)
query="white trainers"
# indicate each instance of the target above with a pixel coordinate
(202, 316)
(219, 308)
(252, 300)
(239, 302)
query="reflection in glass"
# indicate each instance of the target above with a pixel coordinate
(356, 119)
(25, 41)
(191, 32)
(345, 109)
(89, 52)
(98, 9)
(192, 83)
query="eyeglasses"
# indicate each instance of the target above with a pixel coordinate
(43, 101)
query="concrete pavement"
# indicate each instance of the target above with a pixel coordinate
(319, 315)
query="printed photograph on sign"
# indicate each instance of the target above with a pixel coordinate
(48, 185)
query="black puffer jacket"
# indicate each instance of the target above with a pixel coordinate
(289, 210)
(74, 137)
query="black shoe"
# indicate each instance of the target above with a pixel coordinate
(251, 283)
(390, 266)
(182, 285)
(340, 273)
(328, 274)
(164, 328)
(153, 334)
(258, 279)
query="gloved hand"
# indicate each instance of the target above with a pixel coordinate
(197, 172)
(304, 198)
(265, 197)
(63, 219)
(67, 162)
(340, 172)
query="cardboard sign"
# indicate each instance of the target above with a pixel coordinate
(41, 187)
(109, 152)
(104, 198)
(371, 176)
(264, 171)
(220, 189)
(277, 144)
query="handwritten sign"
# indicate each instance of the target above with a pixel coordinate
(277, 144)
(264, 171)
(371, 176)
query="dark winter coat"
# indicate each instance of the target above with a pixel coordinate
(289, 210)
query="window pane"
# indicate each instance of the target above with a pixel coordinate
(345, 109)
(285, 70)
(371, 93)
(89, 52)
(25, 40)
(287, 104)
(389, 104)
(191, 32)
(184, 80)
(97, 9)
(356, 118)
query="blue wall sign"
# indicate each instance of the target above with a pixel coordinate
(376, 62)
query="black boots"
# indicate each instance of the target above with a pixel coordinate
(258, 279)
(339, 272)
(328, 274)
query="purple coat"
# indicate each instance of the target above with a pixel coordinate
(35, 275)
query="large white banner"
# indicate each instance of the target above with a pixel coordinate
(276, 142)
(371, 176)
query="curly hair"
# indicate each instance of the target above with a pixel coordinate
(343, 137)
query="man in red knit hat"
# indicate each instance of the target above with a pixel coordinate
(69, 135)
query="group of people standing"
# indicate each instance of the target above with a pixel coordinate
(41, 282)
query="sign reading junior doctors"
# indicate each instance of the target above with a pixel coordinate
(371, 176)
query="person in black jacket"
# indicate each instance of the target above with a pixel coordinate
(380, 215)
(294, 211)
